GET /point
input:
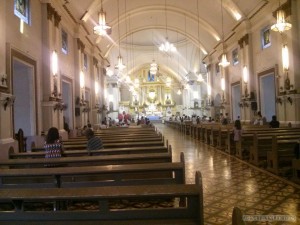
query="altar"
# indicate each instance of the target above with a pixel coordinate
(152, 117)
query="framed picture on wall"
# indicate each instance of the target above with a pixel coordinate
(21, 10)
(85, 61)
(235, 56)
(266, 37)
(217, 68)
(64, 42)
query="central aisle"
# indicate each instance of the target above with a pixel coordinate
(229, 182)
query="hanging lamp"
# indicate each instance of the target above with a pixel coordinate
(102, 27)
(224, 62)
(281, 25)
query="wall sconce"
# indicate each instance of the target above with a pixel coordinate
(86, 109)
(60, 106)
(290, 100)
(96, 87)
(245, 79)
(279, 100)
(82, 82)
(223, 84)
(3, 81)
(54, 64)
(285, 65)
(8, 101)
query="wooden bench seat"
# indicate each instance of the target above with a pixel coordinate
(190, 213)
(247, 137)
(91, 176)
(262, 144)
(282, 154)
(105, 151)
(88, 160)
(114, 140)
(119, 144)
(117, 136)
(296, 170)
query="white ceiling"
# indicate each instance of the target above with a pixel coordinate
(142, 25)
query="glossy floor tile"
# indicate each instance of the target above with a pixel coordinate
(230, 182)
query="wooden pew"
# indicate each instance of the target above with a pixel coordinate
(88, 160)
(296, 170)
(93, 176)
(114, 140)
(118, 144)
(282, 154)
(246, 140)
(105, 151)
(264, 143)
(237, 217)
(218, 135)
(190, 213)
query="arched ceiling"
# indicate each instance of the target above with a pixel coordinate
(140, 26)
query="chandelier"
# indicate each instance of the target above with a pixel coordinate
(120, 66)
(153, 68)
(102, 27)
(281, 25)
(224, 62)
(167, 46)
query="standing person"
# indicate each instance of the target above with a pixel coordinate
(224, 120)
(237, 133)
(53, 145)
(237, 130)
(93, 143)
(274, 122)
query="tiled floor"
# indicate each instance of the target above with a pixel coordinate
(229, 182)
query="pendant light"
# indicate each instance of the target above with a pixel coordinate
(224, 62)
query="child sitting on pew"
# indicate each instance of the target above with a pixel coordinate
(93, 143)
(237, 132)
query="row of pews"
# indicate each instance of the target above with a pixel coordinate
(269, 148)
(128, 184)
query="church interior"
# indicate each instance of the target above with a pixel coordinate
(183, 65)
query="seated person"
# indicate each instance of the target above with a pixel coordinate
(274, 122)
(93, 143)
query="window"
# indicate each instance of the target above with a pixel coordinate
(21, 10)
(64, 42)
(265, 37)
(85, 61)
(235, 56)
